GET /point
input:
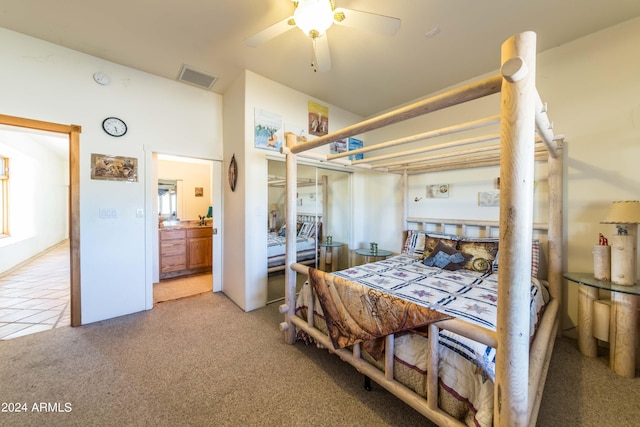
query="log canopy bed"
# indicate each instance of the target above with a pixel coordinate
(419, 305)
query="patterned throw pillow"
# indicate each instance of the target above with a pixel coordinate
(414, 244)
(420, 244)
(445, 257)
(483, 252)
(433, 239)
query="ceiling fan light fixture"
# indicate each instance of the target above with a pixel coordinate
(314, 17)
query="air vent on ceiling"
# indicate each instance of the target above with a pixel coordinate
(196, 78)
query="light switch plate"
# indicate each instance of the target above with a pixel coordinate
(108, 213)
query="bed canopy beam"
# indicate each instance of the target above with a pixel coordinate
(447, 155)
(545, 128)
(472, 91)
(490, 159)
(466, 165)
(462, 127)
(435, 147)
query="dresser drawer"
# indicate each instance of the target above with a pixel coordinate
(173, 247)
(199, 232)
(172, 234)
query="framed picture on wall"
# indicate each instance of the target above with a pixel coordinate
(489, 198)
(268, 130)
(437, 191)
(339, 146)
(114, 168)
(355, 144)
(318, 119)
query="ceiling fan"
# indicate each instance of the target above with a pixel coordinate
(315, 17)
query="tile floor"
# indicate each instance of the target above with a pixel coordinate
(35, 297)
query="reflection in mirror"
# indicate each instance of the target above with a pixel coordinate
(322, 208)
(167, 199)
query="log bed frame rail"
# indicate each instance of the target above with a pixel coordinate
(521, 367)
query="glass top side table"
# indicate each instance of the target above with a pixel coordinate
(587, 279)
(623, 320)
(373, 256)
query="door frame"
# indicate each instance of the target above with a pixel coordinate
(73, 131)
(151, 223)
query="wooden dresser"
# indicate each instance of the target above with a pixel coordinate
(184, 250)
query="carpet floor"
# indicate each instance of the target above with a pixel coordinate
(202, 361)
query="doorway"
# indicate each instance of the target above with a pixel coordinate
(185, 206)
(72, 138)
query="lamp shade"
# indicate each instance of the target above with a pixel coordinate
(273, 207)
(623, 212)
(313, 17)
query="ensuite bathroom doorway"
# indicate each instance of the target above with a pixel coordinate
(187, 215)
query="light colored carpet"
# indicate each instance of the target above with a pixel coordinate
(202, 361)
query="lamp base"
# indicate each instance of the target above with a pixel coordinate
(623, 259)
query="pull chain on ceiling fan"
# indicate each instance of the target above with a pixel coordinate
(315, 17)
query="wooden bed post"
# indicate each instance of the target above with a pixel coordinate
(516, 210)
(405, 200)
(289, 307)
(555, 233)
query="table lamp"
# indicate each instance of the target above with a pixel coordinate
(626, 216)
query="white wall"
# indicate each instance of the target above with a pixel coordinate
(234, 238)
(593, 90)
(47, 82)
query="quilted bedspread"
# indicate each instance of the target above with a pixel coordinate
(466, 368)
(357, 313)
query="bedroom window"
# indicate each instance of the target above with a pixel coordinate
(4, 197)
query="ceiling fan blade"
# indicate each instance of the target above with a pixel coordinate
(269, 33)
(381, 24)
(322, 56)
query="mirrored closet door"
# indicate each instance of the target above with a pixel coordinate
(323, 209)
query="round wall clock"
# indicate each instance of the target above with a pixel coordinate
(114, 126)
(233, 173)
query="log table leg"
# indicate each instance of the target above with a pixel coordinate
(587, 344)
(623, 334)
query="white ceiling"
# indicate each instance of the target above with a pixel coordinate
(370, 73)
